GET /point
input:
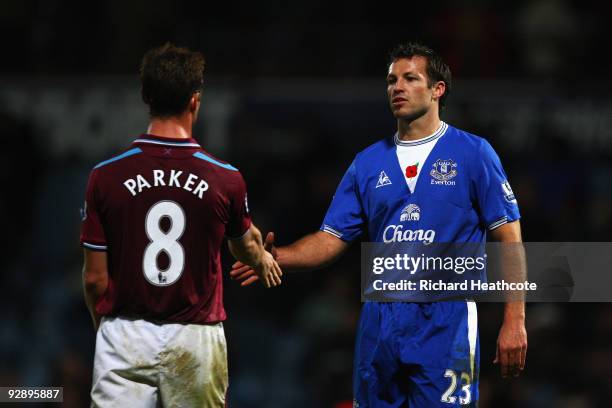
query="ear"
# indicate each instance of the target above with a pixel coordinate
(194, 102)
(438, 90)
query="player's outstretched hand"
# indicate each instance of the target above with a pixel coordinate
(245, 273)
(511, 350)
(268, 271)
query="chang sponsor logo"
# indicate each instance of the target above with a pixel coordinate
(397, 233)
(411, 212)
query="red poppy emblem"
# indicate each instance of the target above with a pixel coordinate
(411, 171)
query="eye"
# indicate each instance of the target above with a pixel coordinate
(391, 80)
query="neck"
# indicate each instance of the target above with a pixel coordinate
(415, 129)
(177, 127)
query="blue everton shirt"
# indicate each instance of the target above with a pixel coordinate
(461, 192)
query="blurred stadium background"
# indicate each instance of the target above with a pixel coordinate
(292, 92)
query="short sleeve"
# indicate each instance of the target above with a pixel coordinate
(239, 218)
(92, 231)
(345, 218)
(491, 190)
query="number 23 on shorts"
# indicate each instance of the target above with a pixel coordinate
(466, 396)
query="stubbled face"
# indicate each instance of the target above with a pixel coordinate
(409, 95)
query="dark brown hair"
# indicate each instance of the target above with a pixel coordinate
(169, 76)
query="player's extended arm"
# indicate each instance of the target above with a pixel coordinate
(249, 250)
(95, 281)
(313, 251)
(512, 340)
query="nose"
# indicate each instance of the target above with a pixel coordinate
(397, 87)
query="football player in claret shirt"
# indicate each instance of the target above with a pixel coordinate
(428, 183)
(154, 220)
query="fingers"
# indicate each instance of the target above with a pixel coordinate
(504, 360)
(518, 358)
(274, 280)
(514, 363)
(278, 269)
(523, 357)
(243, 275)
(511, 348)
(511, 360)
(238, 273)
(278, 273)
(268, 272)
(274, 274)
(250, 280)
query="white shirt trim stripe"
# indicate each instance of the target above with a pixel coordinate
(503, 220)
(92, 246)
(332, 231)
(158, 142)
(439, 132)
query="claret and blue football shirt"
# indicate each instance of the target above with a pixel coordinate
(161, 210)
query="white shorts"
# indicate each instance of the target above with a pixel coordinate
(143, 364)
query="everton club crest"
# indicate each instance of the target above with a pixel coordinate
(443, 171)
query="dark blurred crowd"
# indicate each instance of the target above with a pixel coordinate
(479, 38)
(292, 346)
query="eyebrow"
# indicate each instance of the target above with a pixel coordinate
(403, 74)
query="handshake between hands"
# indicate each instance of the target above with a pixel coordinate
(267, 271)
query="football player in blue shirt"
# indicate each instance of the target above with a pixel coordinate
(430, 182)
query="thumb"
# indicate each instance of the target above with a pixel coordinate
(269, 242)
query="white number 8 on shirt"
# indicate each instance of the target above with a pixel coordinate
(167, 242)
